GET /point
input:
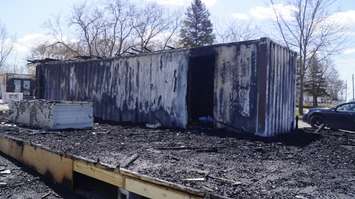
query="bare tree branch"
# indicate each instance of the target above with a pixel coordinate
(111, 30)
(6, 45)
(234, 31)
(312, 32)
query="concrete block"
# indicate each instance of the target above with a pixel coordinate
(52, 114)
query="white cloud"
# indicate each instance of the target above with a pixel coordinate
(345, 66)
(349, 51)
(21, 50)
(240, 16)
(24, 44)
(169, 2)
(22, 47)
(208, 3)
(267, 12)
(346, 18)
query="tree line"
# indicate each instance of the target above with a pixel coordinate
(117, 28)
(322, 81)
(121, 27)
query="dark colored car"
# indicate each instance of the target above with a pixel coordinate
(339, 117)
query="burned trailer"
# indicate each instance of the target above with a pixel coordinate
(11, 83)
(248, 86)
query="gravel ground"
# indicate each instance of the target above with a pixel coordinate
(302, 165)
(17, 182)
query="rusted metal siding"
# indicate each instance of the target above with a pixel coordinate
(142, 89)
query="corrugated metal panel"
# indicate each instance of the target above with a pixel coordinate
(142, 89)
(255, 87)
(280, 91)
(72, 115)
(52, 115)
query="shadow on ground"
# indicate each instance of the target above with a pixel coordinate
(298, 138)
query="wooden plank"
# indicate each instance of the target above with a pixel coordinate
(160, 182)
(61, 167)
(154, 191)
(11, 148)
(91, 170)
(320, 128)
(50, 164)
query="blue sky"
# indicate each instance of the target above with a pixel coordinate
(25, 19)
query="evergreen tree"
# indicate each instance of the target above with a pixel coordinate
(197, 29)
(316, 82)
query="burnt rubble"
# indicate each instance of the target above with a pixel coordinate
(301, 165)
(20, 182)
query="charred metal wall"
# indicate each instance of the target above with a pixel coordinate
(142, 89)
(253, 87)
(235, 86)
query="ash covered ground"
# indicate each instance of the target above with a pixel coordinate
(301, 165)
(17, 182)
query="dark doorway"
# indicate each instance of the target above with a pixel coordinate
(200, 84)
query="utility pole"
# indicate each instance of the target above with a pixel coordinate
(346, 93)
(353, 88)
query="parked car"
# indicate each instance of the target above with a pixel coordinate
(341, 116)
